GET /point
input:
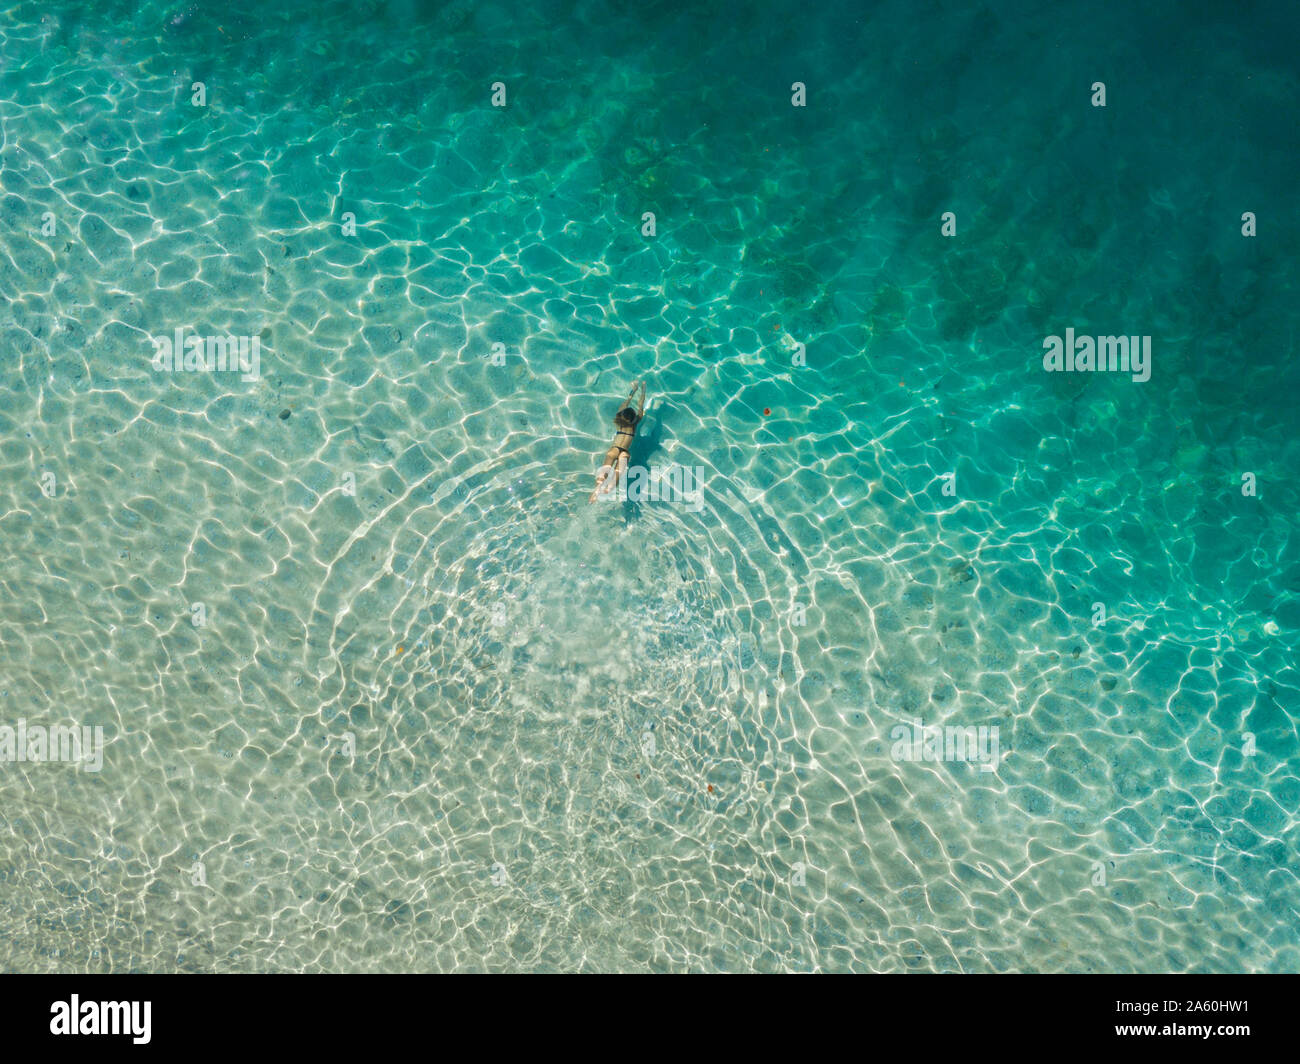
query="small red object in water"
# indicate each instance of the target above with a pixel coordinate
(710, 788)
(767, 410)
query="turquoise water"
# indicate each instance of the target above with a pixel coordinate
(379, 691)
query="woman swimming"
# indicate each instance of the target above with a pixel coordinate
(614, 467)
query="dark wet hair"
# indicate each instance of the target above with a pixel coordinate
(626, 416)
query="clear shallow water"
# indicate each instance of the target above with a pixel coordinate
(540, 694)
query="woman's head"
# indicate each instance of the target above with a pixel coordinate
(625, 418)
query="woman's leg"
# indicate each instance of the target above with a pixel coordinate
(604, 481)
